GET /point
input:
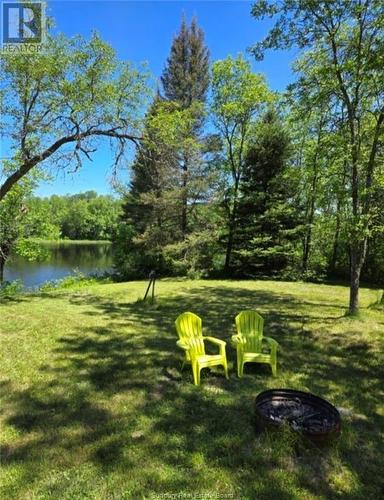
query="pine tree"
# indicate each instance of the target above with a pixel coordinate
(186, 76)
(168, 176)
(185, 82)
(267, 219)
(149, 218)
(145, 176)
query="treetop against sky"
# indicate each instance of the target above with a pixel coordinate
(142, 31)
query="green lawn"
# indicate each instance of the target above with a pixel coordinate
(94, 405)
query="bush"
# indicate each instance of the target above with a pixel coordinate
(78, 280)
(10, 289)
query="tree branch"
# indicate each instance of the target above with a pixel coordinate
(27, 166)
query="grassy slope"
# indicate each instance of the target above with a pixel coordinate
(94, 405)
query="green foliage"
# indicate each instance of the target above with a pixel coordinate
(62, 101)
(268, 222)
(249, 199)
(238, 95)
(72, 282)
(30, 250)
(12, 219)
(196, 255)
(10, 289)
(83, 216)
(57, 106)
(171, 177)
(340, 66)
(186, 76)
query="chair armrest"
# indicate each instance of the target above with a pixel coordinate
(214, 340)
(182, 345)
(218, 342)
(238, 339)
(272, 343)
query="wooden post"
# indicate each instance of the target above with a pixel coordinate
(152, 279)
(153, 288)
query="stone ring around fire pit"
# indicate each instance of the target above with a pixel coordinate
(305, 413)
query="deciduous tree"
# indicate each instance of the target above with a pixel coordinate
(238, 96)
(344, 40)
(58, 105)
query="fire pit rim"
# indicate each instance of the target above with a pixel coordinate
(317, 436)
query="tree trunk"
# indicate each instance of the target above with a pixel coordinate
(335, 251)
(358, 257)
(184, 221)
(312, 203)
(2, 265)
(228, 253)
(307, 246)
(232, 227)
(354, 285)
(357, 261)
(310, 219)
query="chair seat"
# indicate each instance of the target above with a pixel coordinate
(210, 359)
(257, 357)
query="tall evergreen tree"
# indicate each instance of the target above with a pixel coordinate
(145, 175)
(185, 82)
(267, 220)
(149, 213)
(150, 235)
(186, 76)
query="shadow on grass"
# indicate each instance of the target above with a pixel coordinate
(114, 396)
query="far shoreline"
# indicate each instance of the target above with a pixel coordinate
(71, 242)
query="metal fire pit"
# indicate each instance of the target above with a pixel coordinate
(305, 413)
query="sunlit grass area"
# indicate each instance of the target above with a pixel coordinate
(94, 404)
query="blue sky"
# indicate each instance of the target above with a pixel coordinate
(143, 31)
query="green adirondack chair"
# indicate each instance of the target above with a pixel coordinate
(191, 340)
(250, 342)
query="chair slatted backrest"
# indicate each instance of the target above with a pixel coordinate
(250, 326)
(189, 329)
(196, 346)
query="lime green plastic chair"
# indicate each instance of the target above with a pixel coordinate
(250, 342)
(191, 340)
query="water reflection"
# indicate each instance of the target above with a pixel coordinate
(62, 259)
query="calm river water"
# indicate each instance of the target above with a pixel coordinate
(62, 260)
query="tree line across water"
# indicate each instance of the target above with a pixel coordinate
(83, 216)
(228, 177)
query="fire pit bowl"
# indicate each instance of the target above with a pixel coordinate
(307, 414)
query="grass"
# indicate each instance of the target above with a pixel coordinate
(94, 404)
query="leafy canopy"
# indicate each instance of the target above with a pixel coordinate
(58, 104)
